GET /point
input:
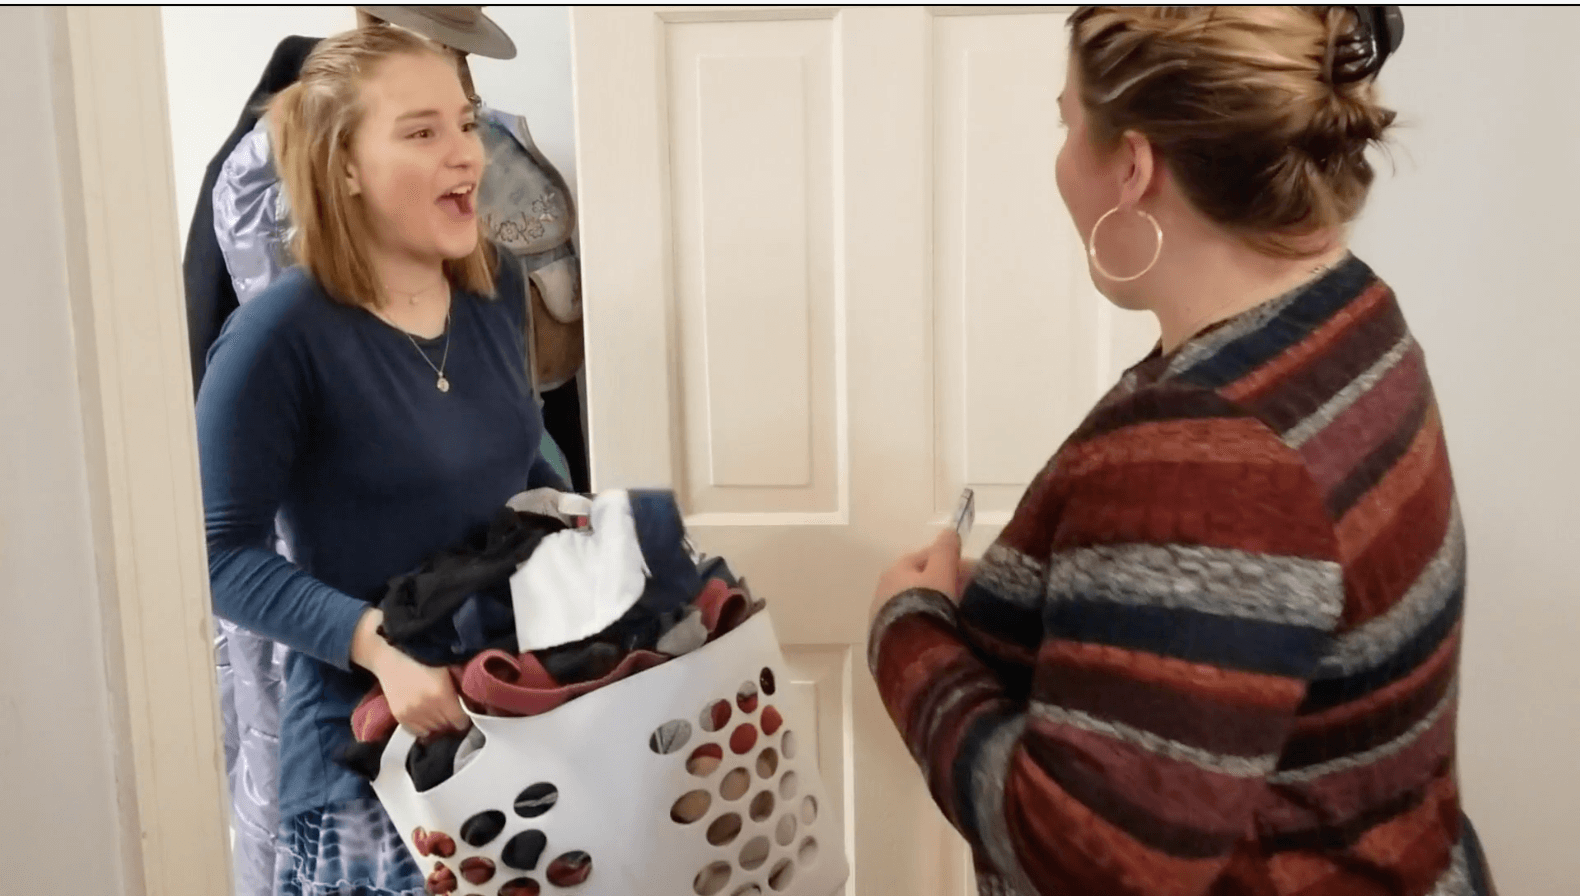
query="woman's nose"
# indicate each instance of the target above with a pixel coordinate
(466, 151)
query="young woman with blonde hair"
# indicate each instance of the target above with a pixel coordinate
(375, 397)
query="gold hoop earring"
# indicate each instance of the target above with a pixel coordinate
(1091, 247)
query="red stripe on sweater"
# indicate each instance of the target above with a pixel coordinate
(1384, 572)
(1369, 516)
(1355, 433)
(1270, 508)
(1404, 856)
(1215, 709)
(1156, 798)
(1064, 847)
(1252, 387)
(1215, 440)
(1336, 798)
(1386, 712)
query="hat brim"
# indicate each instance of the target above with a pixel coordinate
(487, 40)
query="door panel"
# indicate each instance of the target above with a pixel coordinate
(828, 281)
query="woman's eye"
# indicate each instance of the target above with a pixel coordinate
(469, 126)
(423, 134)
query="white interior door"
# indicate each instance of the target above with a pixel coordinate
(829, 281)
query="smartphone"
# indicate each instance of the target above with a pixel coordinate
(965, 514)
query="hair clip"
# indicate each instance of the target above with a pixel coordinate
(1362, 54)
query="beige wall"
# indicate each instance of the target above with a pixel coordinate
(62, 807)
(1478, 233)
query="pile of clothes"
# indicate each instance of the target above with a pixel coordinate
(559, 596)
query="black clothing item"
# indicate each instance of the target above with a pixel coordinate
(562, 417)
(420, 608)
(432, 763)
(211, 297)
(362, 758)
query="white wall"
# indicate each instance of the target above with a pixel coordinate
(1477, 231)
(63, 807)
(215, 54)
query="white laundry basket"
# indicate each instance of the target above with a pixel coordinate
(637, 781)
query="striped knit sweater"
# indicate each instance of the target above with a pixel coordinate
(1215, 650)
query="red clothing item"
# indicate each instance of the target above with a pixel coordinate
(495, 683)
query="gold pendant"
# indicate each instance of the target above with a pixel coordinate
(443, 384)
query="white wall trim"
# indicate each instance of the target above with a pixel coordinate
(128, 312)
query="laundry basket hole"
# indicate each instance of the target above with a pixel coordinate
(570, 870)
(788, 746)
(788, 785)
(705, 760)
(746, 697)
(521, 886)
(762, 806)
(784, 832)
(767, 763)
(523, 850)
(711, 879)
(442, 880)
(478, 870)
(743, 738)
(808, 810)
(749, 890)
(807, 854)
(690, 807)
(783, 873)
(670, 737)
(772, 721)
(767, 681)
(735, 784)
(538, 799)
(754, 853)
(724, 829)
(482, 828)
(715, 716)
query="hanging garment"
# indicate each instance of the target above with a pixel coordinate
(210, 295)
(250, 215)
(250, 668)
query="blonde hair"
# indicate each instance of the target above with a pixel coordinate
(1243, 105)
(311, 124)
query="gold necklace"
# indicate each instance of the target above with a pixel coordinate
(411, 297)
(442, 384)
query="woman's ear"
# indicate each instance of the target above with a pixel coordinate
(353, 182)
(1140, 176)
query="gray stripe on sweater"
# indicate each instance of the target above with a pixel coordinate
(916, 600)
(1223, 581)
(989, 774)
(1011, 576)
(1456, 878)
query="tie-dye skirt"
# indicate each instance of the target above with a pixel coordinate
(346, 849)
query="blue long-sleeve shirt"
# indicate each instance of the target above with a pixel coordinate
(331, 418)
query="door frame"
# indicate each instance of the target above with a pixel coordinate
(112, 132)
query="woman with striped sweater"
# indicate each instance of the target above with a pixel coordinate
(1216, 649)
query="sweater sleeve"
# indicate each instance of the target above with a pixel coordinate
(1190, 586)
(252, 417)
